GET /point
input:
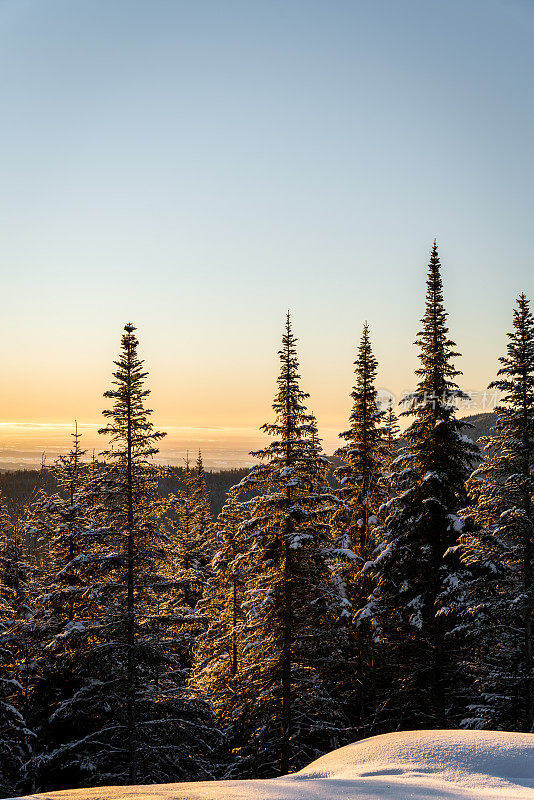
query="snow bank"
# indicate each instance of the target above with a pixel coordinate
(473, 760)
(412, 765)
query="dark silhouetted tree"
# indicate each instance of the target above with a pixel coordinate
(496, 596)
(421, 523)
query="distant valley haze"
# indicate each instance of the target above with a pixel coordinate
(27, 445)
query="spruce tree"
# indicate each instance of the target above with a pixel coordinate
(68, 698)
(284, 704)
(133, 508)
(161, 724)
(60, 523)
(362, 493)
(362, 456)
(495, 600)
(219, 648)
(420, 524)
(15, 738)
(187, 567)
(177, 623)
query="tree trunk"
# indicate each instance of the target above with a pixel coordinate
(527, 567)
(288, 599)
(130, 614)
(286, 664)
(234, 627)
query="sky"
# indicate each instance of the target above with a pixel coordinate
(198, 168)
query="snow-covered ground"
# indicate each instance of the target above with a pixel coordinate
(412, 765)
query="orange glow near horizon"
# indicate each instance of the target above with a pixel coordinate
(223, 395)
(24, 445)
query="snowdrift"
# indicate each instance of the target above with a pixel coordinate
(412, 765)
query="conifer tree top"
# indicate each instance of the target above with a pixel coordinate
(129, 418)
(67, 467)
(435, 442)
(292, 417)
(200, 464)
(520, 349)
(436, 348)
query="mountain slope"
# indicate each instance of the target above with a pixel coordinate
(482, 423)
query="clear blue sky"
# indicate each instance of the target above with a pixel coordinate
(199, 167)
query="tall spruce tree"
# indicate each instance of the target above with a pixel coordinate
(134, 509)
(284, 704)
(495, 599)
(362, 458)
(362, 493)
(160, 726)
(421, 523)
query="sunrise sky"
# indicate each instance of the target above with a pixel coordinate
(200, 167)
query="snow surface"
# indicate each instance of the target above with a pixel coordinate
(412, 765)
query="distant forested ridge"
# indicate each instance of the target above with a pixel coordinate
(172, 624)
(19, 486)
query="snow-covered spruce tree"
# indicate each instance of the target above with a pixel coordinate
(362, 457)
(285, 711)
(420, 524)
(496, 597)
(160, 729)
(362, 493)
(68, 701)
(219, 649)
(59, 523)
(15, 738)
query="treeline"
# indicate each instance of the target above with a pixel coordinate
(19, 486)
(150, 642)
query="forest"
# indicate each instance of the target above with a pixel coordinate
(148, 637)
